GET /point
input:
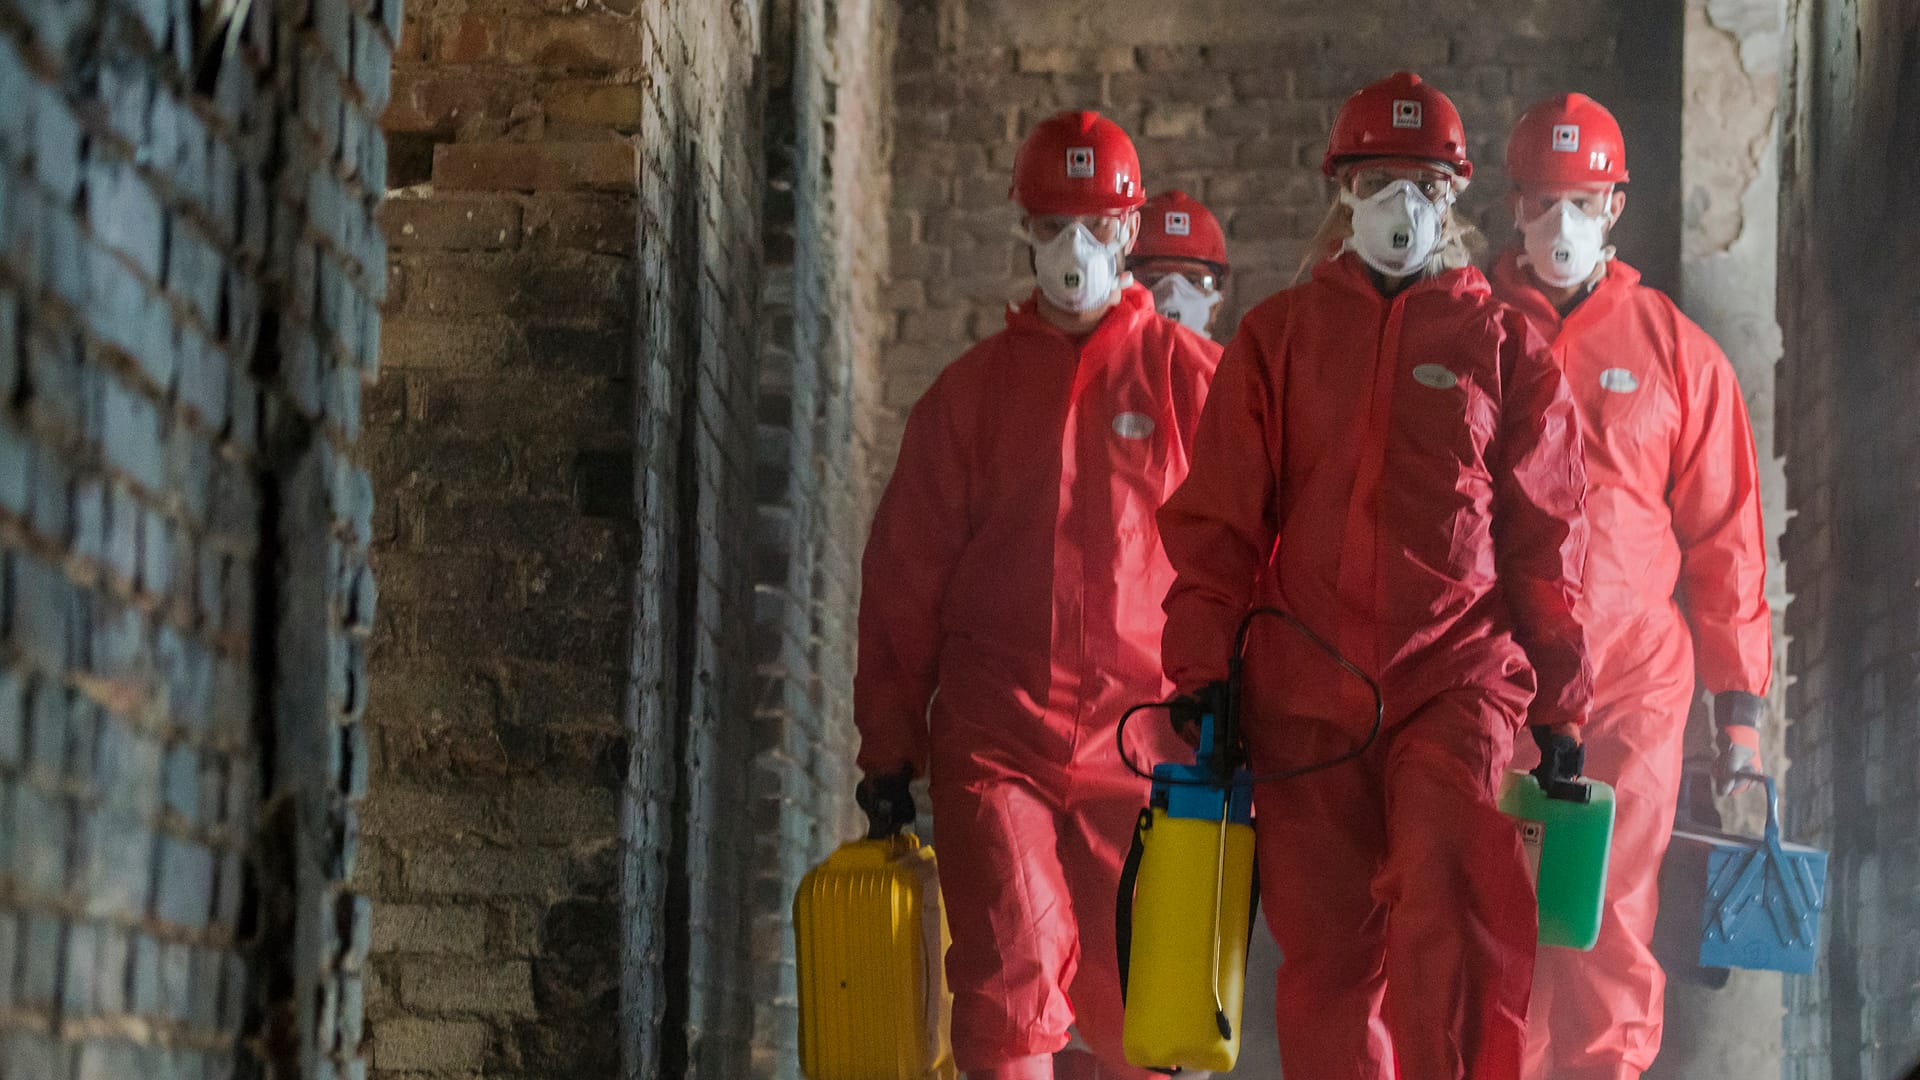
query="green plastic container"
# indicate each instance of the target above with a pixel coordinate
(1567, 835)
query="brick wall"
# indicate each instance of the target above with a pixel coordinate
(825, 226)
(188, 277)
(1848, 387)
(688, 1008)
(502, 443)
(581, 702)
(1231, 102)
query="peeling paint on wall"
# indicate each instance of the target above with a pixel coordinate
(1730, 224)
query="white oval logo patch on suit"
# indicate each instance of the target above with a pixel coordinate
(1436, 376)
(1133, 425)
(1619, 380)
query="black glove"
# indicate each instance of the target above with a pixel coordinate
(1183, 715)
(1562, 757)
(888, 803)
(1739, 707)
(1185, 711)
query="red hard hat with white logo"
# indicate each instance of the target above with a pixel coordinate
(1077, 163)
(1569, 139)
(1400, 116)
(1173, 225)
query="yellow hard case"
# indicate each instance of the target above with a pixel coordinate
(871, 938)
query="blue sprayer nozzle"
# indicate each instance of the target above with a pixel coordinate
(1195, 790)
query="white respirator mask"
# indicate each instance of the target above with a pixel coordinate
(1565, 244)
(1076, 271)
(1185, 303)
(1397, 231)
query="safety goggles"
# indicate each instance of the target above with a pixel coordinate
(1594, 202)
(1106, 228)
(1151, 272)
(1433, 183)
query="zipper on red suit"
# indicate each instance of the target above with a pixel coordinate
(1087, 373)
(1360, 578)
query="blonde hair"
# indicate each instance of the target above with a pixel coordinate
(1461, 242)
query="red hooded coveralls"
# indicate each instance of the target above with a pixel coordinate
(1014, 566)
(1403, 474)
(1675, 592)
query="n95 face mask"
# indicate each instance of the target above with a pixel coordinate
(1397, 230)
(1076, 271)
(1565, 244)
(1185, 303)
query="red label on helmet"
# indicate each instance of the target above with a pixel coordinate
(1178, 223)
(1566, 138)
(1080, 162)
(1406, 114)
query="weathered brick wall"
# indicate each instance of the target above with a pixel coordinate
(521, 403)
(583, 708)
(830, 69)
(1848, 390)
(1731, 183)
(502, 444)
(688, 1007)
(1231, 102)
(189, 271)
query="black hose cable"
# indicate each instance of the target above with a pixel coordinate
(1239, 654)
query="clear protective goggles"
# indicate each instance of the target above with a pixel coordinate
(1594, 202)
(1151, 272)
(1434, 183)
(1106, 228)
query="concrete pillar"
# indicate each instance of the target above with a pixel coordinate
(1730, 192)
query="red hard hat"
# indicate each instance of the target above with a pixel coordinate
(1569, 139)
(1173, 225)
(1077, 163)
(1399, 116)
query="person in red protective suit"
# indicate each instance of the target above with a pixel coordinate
(1390, 456)
(1675, 575)
(1014, 567)
(1182, 259)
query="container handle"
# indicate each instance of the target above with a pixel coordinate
(1573, 791)
(1773, 804)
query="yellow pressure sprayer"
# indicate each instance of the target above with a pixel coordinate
(1182, 951)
